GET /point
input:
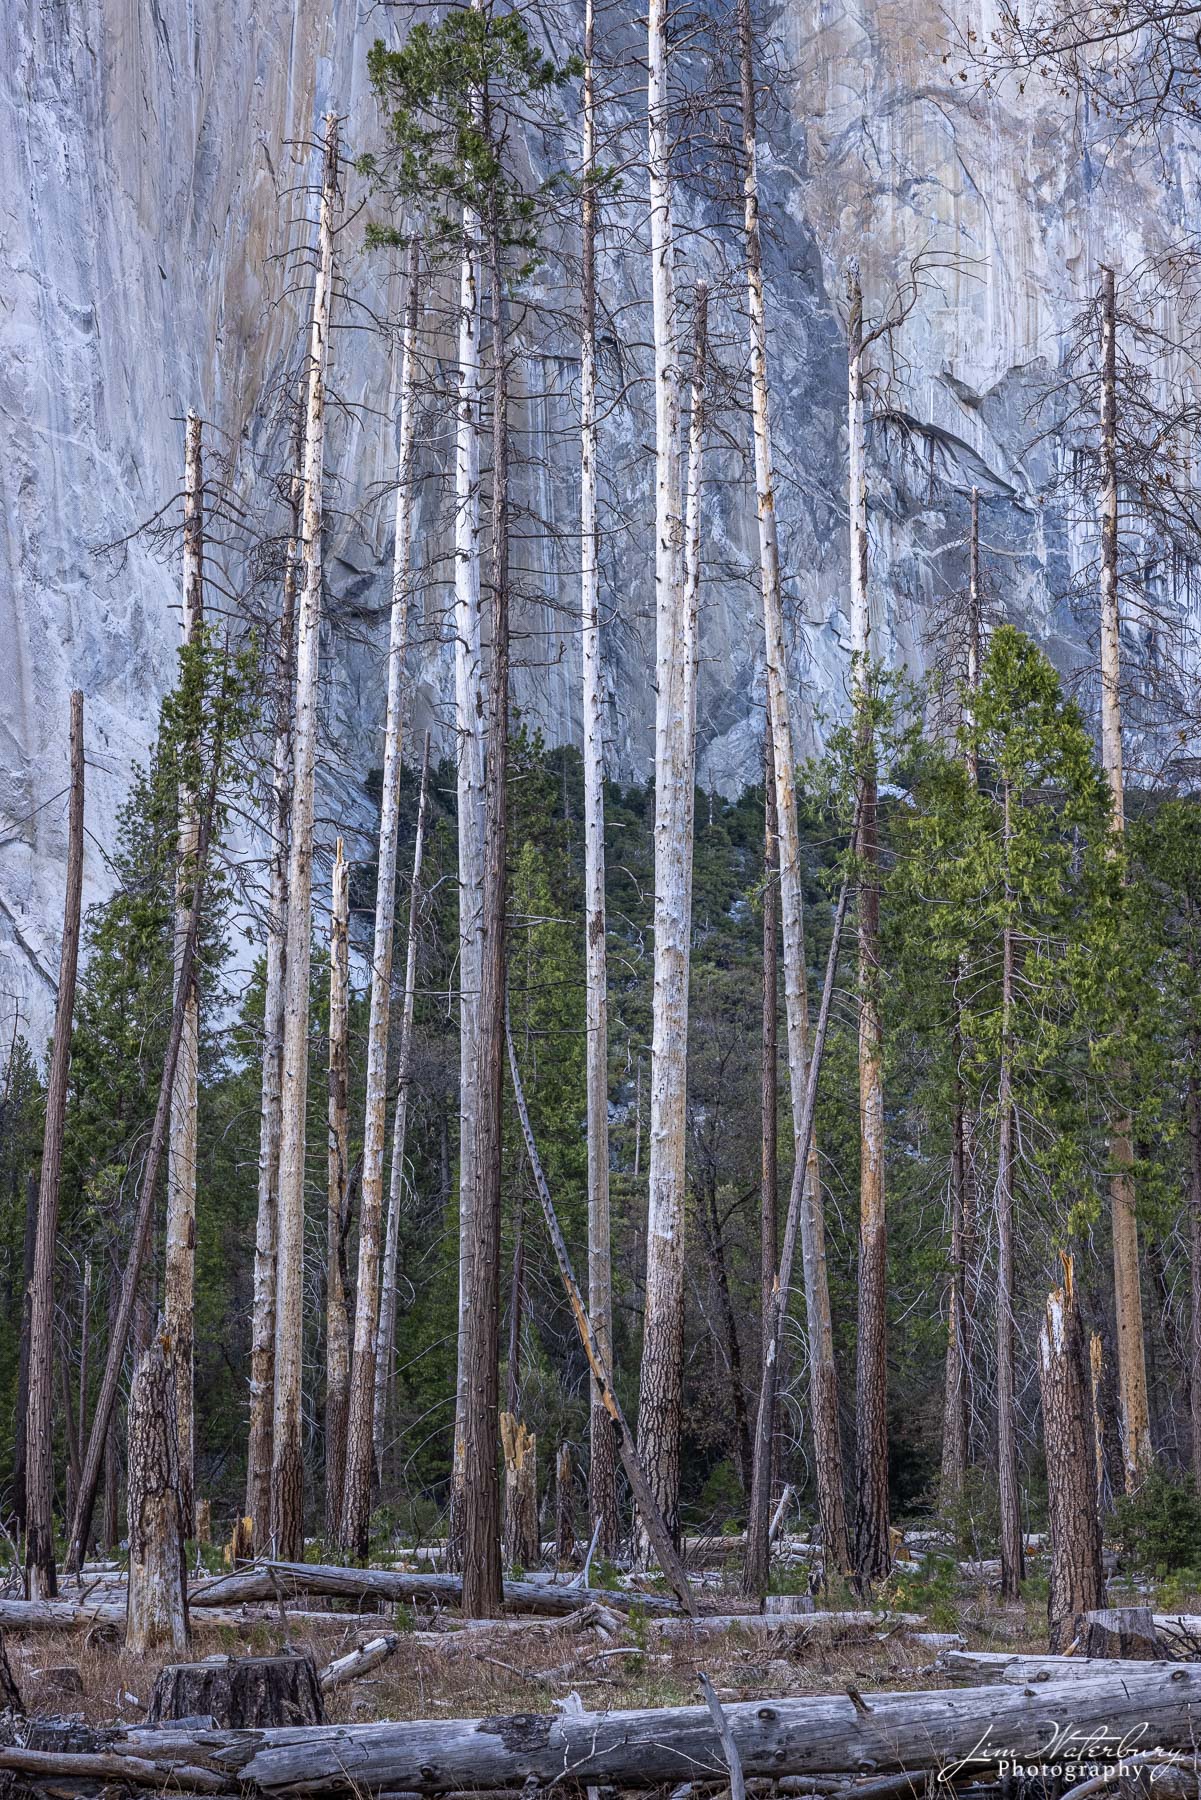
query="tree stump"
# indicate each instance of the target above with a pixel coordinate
(1077, 1579)
(156, 1607)
(240, 1693)
(1123, 1631)
(10, 1693)
(522, 1539)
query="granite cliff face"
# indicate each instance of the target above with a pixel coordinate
(144, 149)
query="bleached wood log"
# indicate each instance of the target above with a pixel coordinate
(965, 1730)
(360, 1661)
(265, 1580)
(1014, 1669)
(816, 1627)
(110, 1765)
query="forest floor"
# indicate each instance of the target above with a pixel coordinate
(511, 1672)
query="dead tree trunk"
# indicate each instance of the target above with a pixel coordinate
(644, 1498)
(245, 1693)
(337, 1189)
(564, 1509)
(20, 1435)
(157, 1594)
(662, 1347)
(1077, 1578)
(287, 1457)
(873, 1556)
(1007, 1451)
(602, 1486)
(386, 1350)
(482, 1588)
(522, 1539)
(355, 1524)
(769, 1172)
(262, 1330)
(469, 728)
(756, 1561)
(140, 1234)
(1194, 1224)
(179, 1266)
(1127, 1292)
(41, 1580)
(823, 1378)
(956, 1393)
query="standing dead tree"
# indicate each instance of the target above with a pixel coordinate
(41, 1582)
(337, 1192)
(157, 1592)
(287, 1460)
(179, 1274)
(781, 765)
(355, 1521)
(1077, 1579)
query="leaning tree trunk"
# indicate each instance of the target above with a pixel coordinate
(179, 1264)
(386, 1347)
(337, 1190)
(823, 1379)
(873, 1556)
(1077, 1578)
(469, 727)
(663, 1320)
(481, 1511)
(356, 1505)
(41, 1578)
(602, 1486)
(262, 1330)
(1007, 1453)
(157, 1593)
(1127, 1293)
(287, 1457)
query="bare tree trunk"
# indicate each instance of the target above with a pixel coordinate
(523, 1546)
(262, 1333)
(356, 1508)
(873, 1556)
(1007, 1452)
(1194, 1229)
(41, 1578)
(1077, 1578)
(469, 726)
(157, 1594)
(179, 1272)
(758, 1537)
(662, 1341)
(823, 1379)
(482, 1585)
(386, 1349)
(564, 1509)
(1128, 1301)
(20, 1434)
(644, 1498)
(287, 1457)
(337, 1188)
(956, 1396)
(769, 1173)
(602, 1486)
(140, 1235)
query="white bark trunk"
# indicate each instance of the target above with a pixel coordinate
(662, 1356)
(179, 1275)
(337, 1172)
(287, 1470)
(469, 726)
(262, 1338)
(1128, 1302)
(387, 1323)
(356, 1504)
(602, 1487)
(823, 1379)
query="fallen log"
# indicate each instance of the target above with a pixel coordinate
(814, 1627)
(956, 1731)
(359, 1662)
(269, 1581)
(168, 1776)
(71, 1615)
(1018, 1670)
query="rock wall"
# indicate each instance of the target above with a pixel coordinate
(153, 162)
